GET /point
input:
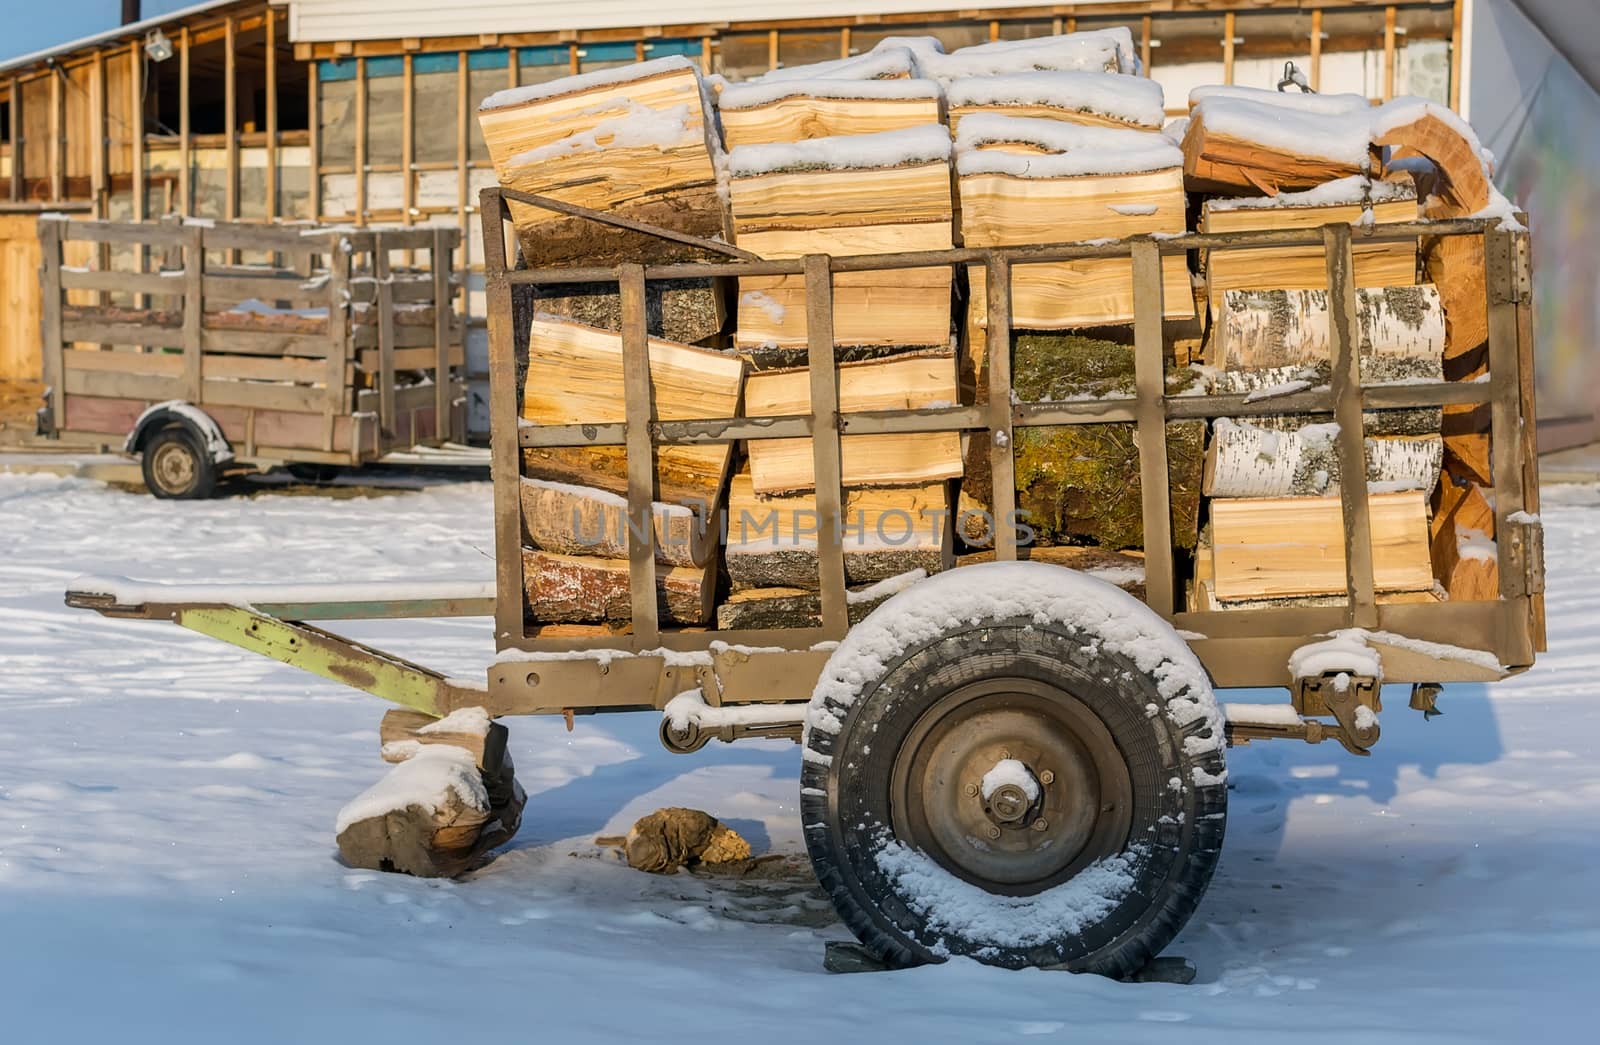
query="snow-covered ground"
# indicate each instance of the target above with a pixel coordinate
(167, 868)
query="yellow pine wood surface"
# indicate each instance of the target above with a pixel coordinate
(1000, 210)
(803, 117)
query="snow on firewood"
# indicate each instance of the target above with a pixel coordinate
(471, 721)
(930, 144)
(1357, 189)
(425, 780)
(1070, 149)
(763, 92)
(587, 82)
(1101, 50)
(1130, 99)
(886, 64)
(1326, 104)
(1338, 137)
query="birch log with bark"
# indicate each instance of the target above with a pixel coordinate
(579, 520)
(1273, 328)
(583, 588)
(1246, 460)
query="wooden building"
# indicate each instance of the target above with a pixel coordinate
(361, 111)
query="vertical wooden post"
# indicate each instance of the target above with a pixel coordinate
(339, 311)
(1505, 409)
(186, 162)
(1002, 466)
(705, 55)
(505, 456)
(1227, 47)
(194, 265)
(18, 141)
(572, 58)
(1144, 45)
(385, 306)
(772, 49)
(408, 136)
(314, 138)
(272, 113)
(98, 128)
(826, 458)
(994, 29)
(361, 141)
(1316, 49)
(1151, 432)
(57, 121)
(136, 107)
(636, 395)
(50, 230)
(443, 335)
(1455, 55)
(463, 143)
(1388, 52)
(1345, 338)
(844, 42)
(230, 116)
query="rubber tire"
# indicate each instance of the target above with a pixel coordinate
(845, 787)
(314, 474)
(204, 483)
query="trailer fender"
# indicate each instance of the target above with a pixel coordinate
(176, 411)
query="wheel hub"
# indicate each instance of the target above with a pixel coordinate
(173, 466)
(1013, 785)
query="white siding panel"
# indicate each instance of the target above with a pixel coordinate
(318, 21)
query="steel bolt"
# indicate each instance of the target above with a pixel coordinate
(1004, 753)
(1046, 777)
(994, 832)
(972, 790)
(1041, 824)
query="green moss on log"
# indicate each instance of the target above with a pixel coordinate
(1081, 482)
(1054, 367)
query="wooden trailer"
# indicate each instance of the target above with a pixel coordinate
(206, 347)
(981, 739)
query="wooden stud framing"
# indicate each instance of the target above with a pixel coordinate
(314, 139)
(463, 143)
(1455, 55)
(361, 141)
(1144, 44)
(57, 131)
(844, 41)
(1227, 47)
(1151, 431)
(50, 316)
(641, 456)
(772, 49)
(1002, 466)
(136, 131)
(1316, 49)
(185, 161)
(272, 113)
(1344, 337)
(380, 271)
(18, 142)
(230, 117)
(826, 458)
(1388, 52)
(408, 136)
(705, 55)
(98, 128)
(994, 29)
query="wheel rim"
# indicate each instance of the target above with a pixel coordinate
(173, 467)
(1004, 835)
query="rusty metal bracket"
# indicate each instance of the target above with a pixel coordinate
(1344, 696)
(1522, 544)
(618, 221)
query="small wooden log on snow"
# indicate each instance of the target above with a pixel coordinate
(430, 816)
(563, 588)
(1244, 460)
(1271, 328)
(579, 520)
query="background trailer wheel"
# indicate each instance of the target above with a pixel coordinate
(1024, 768)
(177, 466)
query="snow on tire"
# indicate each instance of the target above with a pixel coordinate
(1016, 763)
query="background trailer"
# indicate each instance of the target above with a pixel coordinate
(361, 112)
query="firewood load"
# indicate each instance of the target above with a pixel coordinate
(907, 148)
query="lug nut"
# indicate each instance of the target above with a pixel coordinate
(972, 790)
(994, 832)
(1046, 777)
(1041, 824)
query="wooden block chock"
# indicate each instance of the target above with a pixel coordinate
(452, 797)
